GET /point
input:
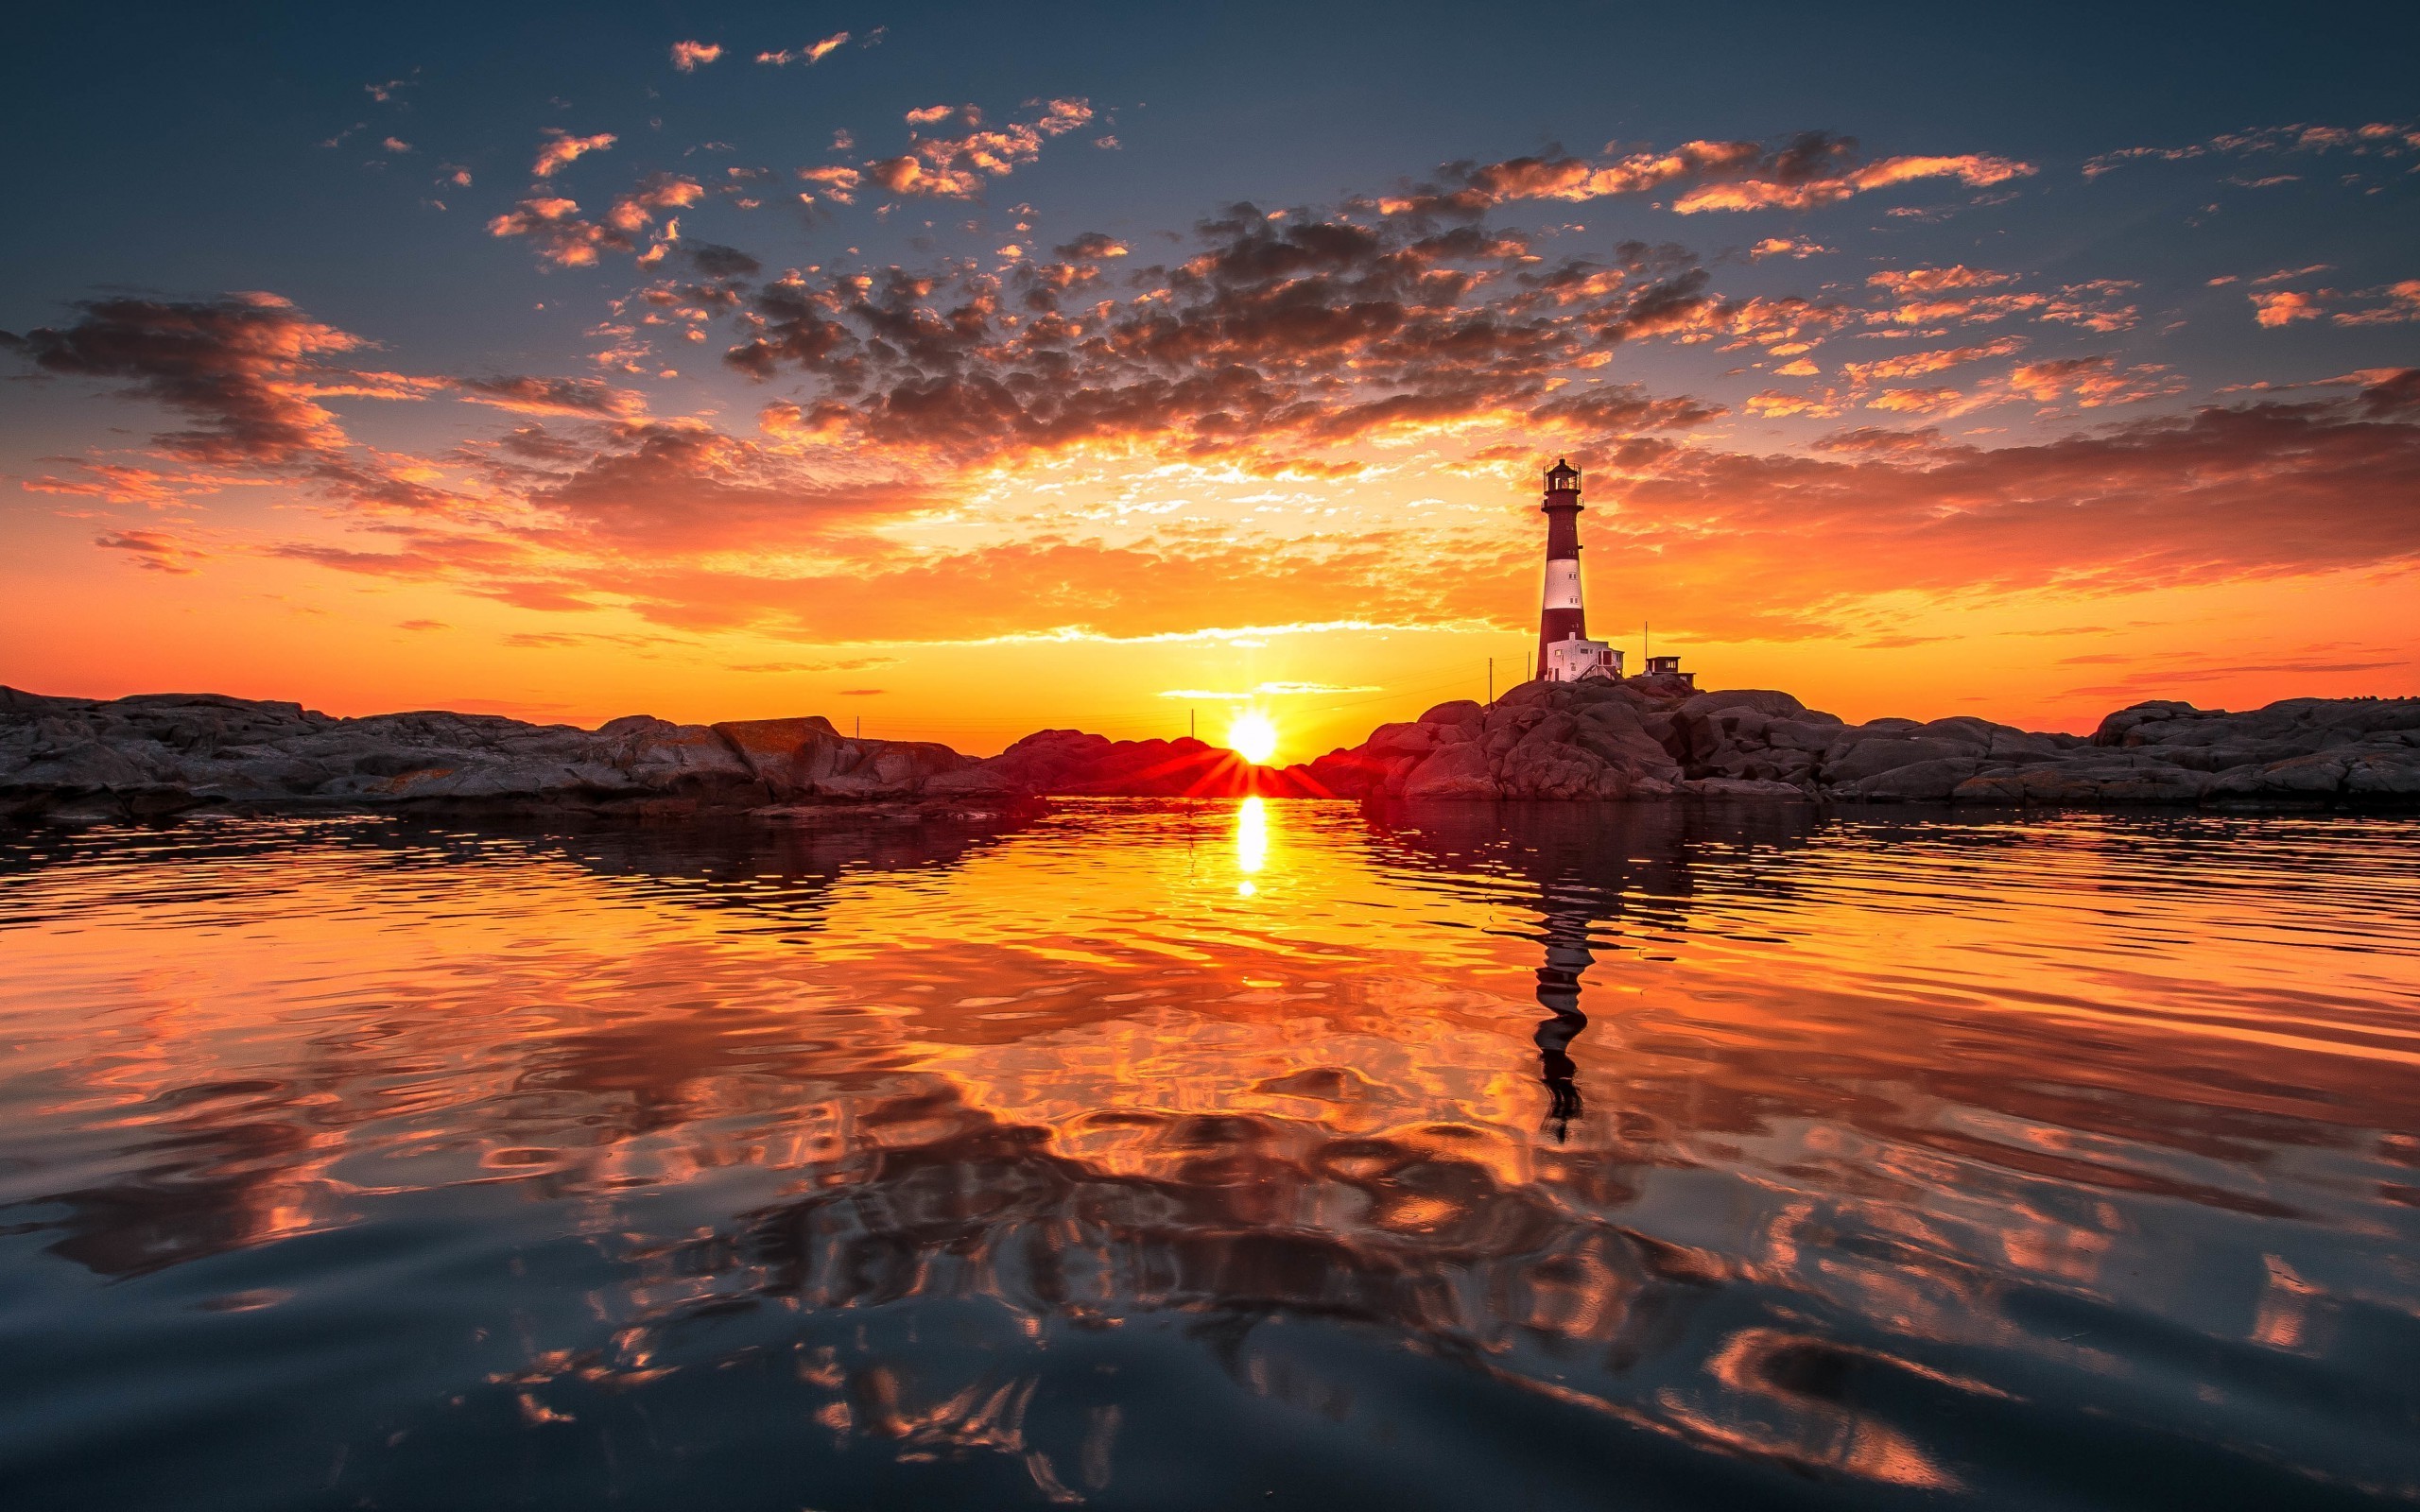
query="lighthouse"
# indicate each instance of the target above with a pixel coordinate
(1565, 652)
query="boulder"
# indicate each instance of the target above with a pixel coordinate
(1401, 739)
(1926, 782)
(1857, 755)
(1742, 787)
(1764, 701)
(1469, 711)
(1459, 771)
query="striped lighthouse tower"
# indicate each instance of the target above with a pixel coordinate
(1565, 652)
(1559, 617)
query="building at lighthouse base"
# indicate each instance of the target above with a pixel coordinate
(1569, 661)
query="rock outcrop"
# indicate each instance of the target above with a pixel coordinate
(1543, 740)
(1070, 762)
(1644, 739)
(77, 759)
(163, 753)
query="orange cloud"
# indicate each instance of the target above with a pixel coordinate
(2380, 138)
(1769, 545)
(152, 549)
(2402, 303)
(1916, 363)
(811, 54)
(2091, 382)
(958, 168)
(2284, 307)
(838, 183)
(562, 239)
(1935, 280)
(689, 56)
(1806, 193)
(560, 147)
(1810, 170)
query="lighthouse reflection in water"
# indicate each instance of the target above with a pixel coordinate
(1210, 1155)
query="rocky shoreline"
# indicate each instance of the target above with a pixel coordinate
(75, 761)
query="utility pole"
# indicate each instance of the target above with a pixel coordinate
(861, 727)
(1491, 682)
(1191, 727)
(1645, 647)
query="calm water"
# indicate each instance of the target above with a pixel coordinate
(1214, 1157)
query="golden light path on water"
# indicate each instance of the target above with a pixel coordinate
(1408, 1155)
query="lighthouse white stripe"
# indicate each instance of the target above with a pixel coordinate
(1563, 584)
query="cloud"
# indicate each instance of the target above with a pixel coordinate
(2284, 307)
(697, 531)
(250, 367)
(1757, 544)
(655, 193)
(552, 223)
(2260, 490)
(560, 147)
(811, 54)
(689, 56)
(1810, 170)
(153, 549)
(1935, 279)
(423, 624)
(838, 182)
(1808, 193)
(1935, 296)
(1792, 247)
(2091, 382)
(579, 397)
(956, 167)
(1775, 404)
(2286, 275)
(1916, 363)
(2402, 303)
(1275, 333)
(2377, 138)
(1091, 247)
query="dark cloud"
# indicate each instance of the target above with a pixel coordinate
(248, 367)
(717, 261)
(1279, 330)
(154, 549)
(575, 396)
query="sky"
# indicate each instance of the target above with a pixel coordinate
(959, 371)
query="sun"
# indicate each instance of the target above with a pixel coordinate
(1253, 736)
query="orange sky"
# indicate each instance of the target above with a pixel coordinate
(1399, 609)
(2022, 432)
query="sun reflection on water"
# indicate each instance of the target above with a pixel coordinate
(1251, 843)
